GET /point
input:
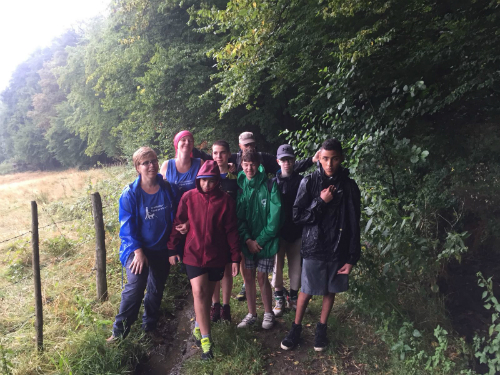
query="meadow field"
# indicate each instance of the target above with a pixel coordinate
(74, 324)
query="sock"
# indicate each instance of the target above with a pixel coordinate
(196, 325)
(205, 336)
(294, 293)
(278, 293)
(226, 304)
(216, 303)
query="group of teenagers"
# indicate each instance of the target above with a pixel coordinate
(224, 212)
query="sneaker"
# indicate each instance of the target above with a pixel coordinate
(292, 339)
(242, 295)
(292, 303)
(206, 348)
(268, 321)
(225, 313)
(248, 321)
(197, 336)
(215, 312)
(279, 306)
(320, 340)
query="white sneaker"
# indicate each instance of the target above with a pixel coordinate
(280, 306)
(248, 321)
(268, 321)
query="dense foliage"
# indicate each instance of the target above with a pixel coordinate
(411, 87)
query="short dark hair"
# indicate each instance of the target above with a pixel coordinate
(332, 144)
(223, 144)
(250, 156)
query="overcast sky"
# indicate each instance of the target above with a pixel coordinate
(26, 25)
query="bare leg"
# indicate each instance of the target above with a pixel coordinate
(278, 267)
(227, 285)
(249, 279)
(216, 295)
(265, 291)
(202, 294)
(302, 302)
(326, 308)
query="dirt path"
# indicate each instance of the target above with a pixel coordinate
(172, 343)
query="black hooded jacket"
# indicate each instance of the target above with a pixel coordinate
(330, 230)
(288, 186)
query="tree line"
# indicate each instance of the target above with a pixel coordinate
(410, 87)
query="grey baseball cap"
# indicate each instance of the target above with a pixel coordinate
(285, 151)
(246, 137)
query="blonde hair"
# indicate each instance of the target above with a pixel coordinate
(141, 154)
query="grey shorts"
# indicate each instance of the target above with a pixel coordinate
(265, 265)
(320, 277)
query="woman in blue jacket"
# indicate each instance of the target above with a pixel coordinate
(146, 210)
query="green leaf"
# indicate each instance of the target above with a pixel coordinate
(414, 159)
(416, 333)
(368, 225)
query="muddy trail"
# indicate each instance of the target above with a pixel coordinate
(171, 343)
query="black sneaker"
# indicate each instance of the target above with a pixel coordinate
(320, 340)
(225, 313)
(293, 337)
(242, 295)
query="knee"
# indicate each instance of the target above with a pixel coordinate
(199, 293)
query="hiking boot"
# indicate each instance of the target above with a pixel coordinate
(248, 321)
(242, 295)
(268, 321)
(215, 313)
(292, 339)
(206, 348)
(279, 305)
(320, 340)
(197, 336)
(225, 313)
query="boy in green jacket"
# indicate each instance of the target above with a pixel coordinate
(259, 221)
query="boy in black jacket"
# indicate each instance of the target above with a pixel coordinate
(328, 208)
(288, 181)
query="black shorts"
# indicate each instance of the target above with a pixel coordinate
(214, 273)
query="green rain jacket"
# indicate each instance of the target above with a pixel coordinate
(259, 214)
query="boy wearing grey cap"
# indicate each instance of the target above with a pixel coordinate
(288, 181)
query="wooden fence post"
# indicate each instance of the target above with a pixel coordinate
(36, 276)
(100, 249)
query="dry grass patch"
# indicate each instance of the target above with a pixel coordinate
(17, 190)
